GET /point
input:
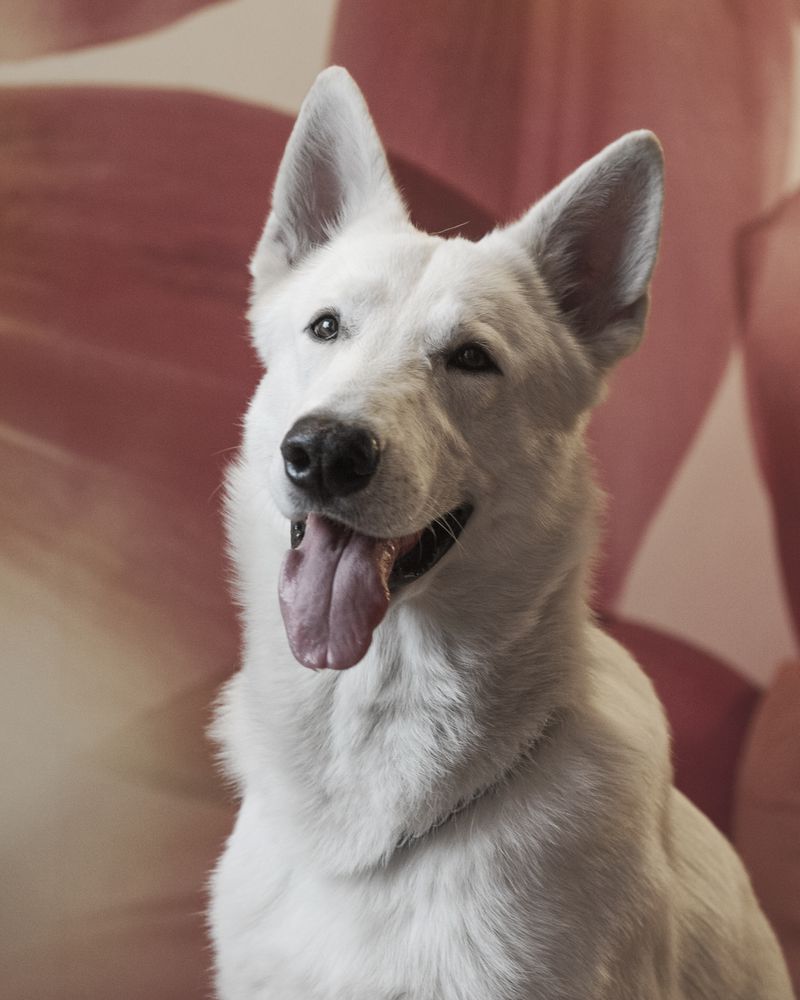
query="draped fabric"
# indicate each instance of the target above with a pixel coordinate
(767, 826)
(127, 219)
(36, 27)
(769, 253)
(123, 263)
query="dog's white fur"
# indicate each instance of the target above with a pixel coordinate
(578, 871)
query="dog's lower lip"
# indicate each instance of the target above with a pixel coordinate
(435, 540)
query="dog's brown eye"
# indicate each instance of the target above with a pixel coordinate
(325, 327)
(472, 358)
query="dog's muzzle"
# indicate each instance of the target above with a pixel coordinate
(337, 581)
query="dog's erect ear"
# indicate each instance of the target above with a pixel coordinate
(594, 240)
(333, 171)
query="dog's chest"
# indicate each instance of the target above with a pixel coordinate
(424, 928)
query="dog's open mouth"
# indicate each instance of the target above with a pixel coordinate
(336, 583)
(432, 543)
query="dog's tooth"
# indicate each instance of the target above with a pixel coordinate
(297, 533)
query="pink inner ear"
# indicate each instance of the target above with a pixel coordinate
(532, 90)
(594, 239)
(333, 170)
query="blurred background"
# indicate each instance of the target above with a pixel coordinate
(138, 143)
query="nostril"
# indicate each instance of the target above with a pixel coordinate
(364, 459)
(301, 457)
(296, 456)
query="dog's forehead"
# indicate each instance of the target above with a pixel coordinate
(431, 285)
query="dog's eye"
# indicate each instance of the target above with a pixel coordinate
(472, 358)
(325, 327)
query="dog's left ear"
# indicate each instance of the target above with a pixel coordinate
(594, 240)
(334, 170)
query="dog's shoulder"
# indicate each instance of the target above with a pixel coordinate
(620, 695)
(620, 733)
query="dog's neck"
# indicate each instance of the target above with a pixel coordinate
(501, 778)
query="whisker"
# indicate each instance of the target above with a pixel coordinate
(443, 524)
(215, 492)
(450, 229)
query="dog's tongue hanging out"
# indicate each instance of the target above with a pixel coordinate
(334, 592)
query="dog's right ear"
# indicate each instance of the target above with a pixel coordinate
(334, 170)
(594, 240)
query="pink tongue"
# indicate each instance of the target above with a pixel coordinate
(334, 593)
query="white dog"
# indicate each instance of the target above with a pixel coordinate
(481, 808)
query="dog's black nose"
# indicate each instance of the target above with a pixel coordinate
(327, 458)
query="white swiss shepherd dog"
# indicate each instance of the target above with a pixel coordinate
(469, 795)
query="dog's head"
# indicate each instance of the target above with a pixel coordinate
(422, 391)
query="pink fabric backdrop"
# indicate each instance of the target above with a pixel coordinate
(770, 252)
(128, 219)
(35, 27)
